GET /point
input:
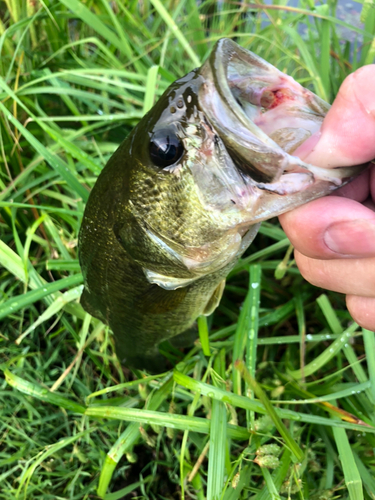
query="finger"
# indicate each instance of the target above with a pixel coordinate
(356, 276)
(362, 310)
(347, 135)
(358, 189)
(331, 228)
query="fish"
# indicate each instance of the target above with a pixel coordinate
(183, 196)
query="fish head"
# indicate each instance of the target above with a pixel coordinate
(179, 218)
(212, 159)
(264, 119)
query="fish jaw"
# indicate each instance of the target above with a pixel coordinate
(262, 116)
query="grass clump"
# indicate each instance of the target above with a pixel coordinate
(295, 417)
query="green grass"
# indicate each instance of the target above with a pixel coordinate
(75, 77)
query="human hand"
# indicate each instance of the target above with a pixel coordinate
(334, 237)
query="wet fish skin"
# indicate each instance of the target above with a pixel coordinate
(116, 246)
(157, 242)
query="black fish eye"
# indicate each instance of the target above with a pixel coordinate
(166, 148)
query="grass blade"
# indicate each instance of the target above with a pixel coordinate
(218, 434)
(247, 327)
(151, 86)
(327, 354)
(289, 441)
(180, 422)
(369, 340)
(367, 478)
(59, 165)
(163, 13)
(81, 11)
(203, 335)
(257, 406)
(252, 337)
(309, 61)
(128, 439)
(37, 391)
(50, 450)
(272, 491)
(352, 477)
(53, 309)
(21, 301)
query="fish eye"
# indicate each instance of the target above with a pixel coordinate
(166, 148)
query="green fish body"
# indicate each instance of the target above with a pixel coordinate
(183, 196)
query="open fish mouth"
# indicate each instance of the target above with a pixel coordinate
(263, 116)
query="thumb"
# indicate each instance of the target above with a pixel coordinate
(347, 135)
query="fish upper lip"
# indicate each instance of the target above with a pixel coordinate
(239, 134)
(252, 150)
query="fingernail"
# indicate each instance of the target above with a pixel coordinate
(351, 238)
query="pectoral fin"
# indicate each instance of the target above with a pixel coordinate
(215, 299)
(167, 282)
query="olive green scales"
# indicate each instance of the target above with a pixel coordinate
(182, 197)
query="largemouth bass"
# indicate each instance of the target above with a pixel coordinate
(183, 196)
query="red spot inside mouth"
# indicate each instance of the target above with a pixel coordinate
(272, 98)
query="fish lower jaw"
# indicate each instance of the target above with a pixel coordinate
(251, 197)
(261, 201)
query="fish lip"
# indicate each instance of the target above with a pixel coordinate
(236, 130)
(262, 161)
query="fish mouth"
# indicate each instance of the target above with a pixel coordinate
(262, 116)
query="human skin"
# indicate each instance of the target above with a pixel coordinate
(334, 237)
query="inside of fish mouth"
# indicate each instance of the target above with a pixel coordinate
(256, 98)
